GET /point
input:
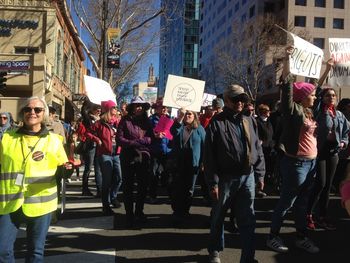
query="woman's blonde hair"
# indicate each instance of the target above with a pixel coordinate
(20, 115)
(195, 124)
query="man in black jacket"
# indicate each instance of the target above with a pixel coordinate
(233, 154)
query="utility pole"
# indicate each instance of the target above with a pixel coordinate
(104, 29)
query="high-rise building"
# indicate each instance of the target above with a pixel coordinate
(179, 40)
(319, 19)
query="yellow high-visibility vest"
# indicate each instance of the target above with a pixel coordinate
(27, 174)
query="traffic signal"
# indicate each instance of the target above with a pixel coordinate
(3, 80)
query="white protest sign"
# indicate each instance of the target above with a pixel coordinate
(339, 49)
(181, 92)
(306, 59)
(98, 90)
(207, 99)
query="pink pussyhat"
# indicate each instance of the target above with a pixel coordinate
(301, 90)
(107, 105)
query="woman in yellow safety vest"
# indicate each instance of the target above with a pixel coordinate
(29, 157)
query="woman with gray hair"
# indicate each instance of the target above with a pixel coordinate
(29, 157)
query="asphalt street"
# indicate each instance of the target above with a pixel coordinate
(83, 234)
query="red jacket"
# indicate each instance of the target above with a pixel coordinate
(101, 131)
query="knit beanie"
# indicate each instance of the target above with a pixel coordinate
(301, 90)
(107, 105)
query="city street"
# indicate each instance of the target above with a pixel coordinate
(84, 235)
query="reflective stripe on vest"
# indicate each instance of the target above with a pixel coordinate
(39, 199)
(10, 197)
(40, 180)
(8, 176)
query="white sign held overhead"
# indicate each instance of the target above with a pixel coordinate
(306, 59)
(184, 92)
(98, 90)
(208, 99)
(339, 49)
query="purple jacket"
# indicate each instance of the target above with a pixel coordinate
(135, 134)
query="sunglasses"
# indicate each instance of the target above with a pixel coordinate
(3, 117)
(37, 110)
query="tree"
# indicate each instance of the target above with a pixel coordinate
(252, 55)
(135, 18)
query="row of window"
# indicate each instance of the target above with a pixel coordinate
(322, 3)
(319, 22)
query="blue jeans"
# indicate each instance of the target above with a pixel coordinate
(111, 177)
(241, 191)
(297, 182)
(91, 160)
(37, 228)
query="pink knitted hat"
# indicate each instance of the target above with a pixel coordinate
(106, 105)
(301, 90)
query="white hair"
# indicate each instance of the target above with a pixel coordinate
(26, 103)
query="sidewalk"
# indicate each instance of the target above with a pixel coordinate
(84, 235)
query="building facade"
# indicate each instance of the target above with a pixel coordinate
(179, 40)
(40, 51)
(320, 19)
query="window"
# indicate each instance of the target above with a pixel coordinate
(300, 2)
(320, 22)
(230, 13)
(252, 11)
(300, 21)
(244, 2)
(243, 18)
(282, 4)
(319, 42)
(338, 4)
(236, 6)
(26, 50)
(269, 7)
(320, 3)
(338, 23)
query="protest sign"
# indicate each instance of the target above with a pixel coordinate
(164, 126)
(207, 99)
(183, 92)
(306, 59)
(98, 90)
(339, 49)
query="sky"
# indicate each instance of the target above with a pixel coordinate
(152, 58)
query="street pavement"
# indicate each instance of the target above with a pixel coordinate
(83, 234)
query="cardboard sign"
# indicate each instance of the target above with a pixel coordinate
(339, 49)
(98, 90)
(183, 92)
(306, 59)
(208, 99)
(164, 125)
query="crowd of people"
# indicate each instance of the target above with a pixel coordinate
(299, 150)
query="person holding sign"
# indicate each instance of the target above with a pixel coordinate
(233, 154)
(188, 142)
(29, 158)
(298, 165)
(332, 137)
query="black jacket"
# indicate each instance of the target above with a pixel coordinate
(224, 154)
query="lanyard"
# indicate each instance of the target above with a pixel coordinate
(31, 150)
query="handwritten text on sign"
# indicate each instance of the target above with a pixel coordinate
(339, 49)
(306, 59)
(183, 92)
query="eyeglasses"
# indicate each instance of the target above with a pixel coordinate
(237, 99)
(37, 110)
(330, 95)
(189, 113)
(3, 117)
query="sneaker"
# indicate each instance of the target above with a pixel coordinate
(306, 244)
(214, 257)
(260, 194)
(325, 223)
(116, 204)
(310, 224)
(276, 244)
